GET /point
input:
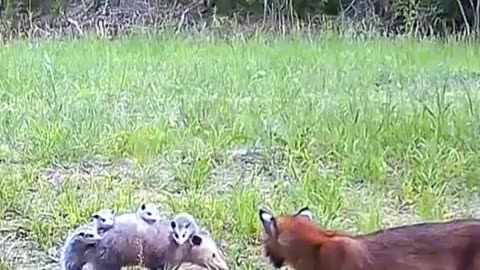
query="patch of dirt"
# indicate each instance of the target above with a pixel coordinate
(19, 250)
(247, 165)
(98, 167)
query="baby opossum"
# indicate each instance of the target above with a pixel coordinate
(147, 212)
(183, 226)
(103, 220)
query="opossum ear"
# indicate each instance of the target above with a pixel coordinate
(304, 212)
(204, 231)
(143, 206)
(196, 240)
(173, 224)
(95, 216)
(268, 222)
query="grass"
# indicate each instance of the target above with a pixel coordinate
(367, 133)
(3, 266)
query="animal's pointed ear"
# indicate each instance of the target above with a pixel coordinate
(143, 206)
(268, 221)
(95, 216)
(304, 212)
(196, 240)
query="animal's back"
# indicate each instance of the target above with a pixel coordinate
(296, 241)
(127, 218)
(452, 245)
(118, 245)
(132, 242)
(156, 243)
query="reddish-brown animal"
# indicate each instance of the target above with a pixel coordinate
(297, 241)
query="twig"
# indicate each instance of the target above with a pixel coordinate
(75, 23)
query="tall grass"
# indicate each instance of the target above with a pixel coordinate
(367, 133)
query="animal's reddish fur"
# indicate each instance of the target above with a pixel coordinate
(453, 245)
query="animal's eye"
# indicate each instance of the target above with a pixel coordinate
(175, 234)
(149, 213)
(103, 220)
(82, 234)
(188, 225)
(183, 235)
(214, 255)
(89, 235)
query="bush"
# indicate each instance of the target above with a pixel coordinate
(426, 16)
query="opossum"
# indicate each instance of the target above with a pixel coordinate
(79, 246)
(182, 226)
(103, 220)
(152, 246)
(147, 212)
(124, 243)
(200, 250)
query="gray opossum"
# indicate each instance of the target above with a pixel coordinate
(78, 248)
(182, 227)
(152, 246)
(103, 220)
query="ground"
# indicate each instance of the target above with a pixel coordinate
(368, 134)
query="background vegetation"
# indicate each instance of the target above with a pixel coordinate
(368, 133)
(350, 107)
(421, 17)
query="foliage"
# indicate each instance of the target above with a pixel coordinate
(405, 16)
(367, 133)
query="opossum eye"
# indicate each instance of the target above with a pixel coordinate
(183, 235)
(81, 234)
(89, 235)
(103, 220)
(175, 234)
(149, 213)
(214, 255)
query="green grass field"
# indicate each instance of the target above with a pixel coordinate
(367, 133)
